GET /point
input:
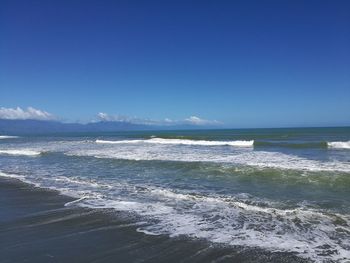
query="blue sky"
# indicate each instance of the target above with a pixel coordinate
(242, 63)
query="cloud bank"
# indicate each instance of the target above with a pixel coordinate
(192, 120)
(31, 113)
(101, 116)
(25, 114)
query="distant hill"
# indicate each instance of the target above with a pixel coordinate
(38, 126)
(18, 127)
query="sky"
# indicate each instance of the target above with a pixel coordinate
(234, 63)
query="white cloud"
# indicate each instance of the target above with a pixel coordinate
(102, 116)
(25, 114)
(194, 120)
(167, 120)
(108, 117)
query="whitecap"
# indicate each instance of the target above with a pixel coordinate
(25, 152)
(15, 176)
(339, 145)
(244, 157)
(7, 137)
(238, 143)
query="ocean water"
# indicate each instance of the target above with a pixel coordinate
(280, 190)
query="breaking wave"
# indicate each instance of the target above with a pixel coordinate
(26, 152)
(7, 137)
(237, 143)
(339, 145)
(263, 159)
(240, 220)
(10, 175)
(183, 142)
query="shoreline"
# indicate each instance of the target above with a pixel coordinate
(35, 226)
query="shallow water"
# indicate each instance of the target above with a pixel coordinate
(279, 190)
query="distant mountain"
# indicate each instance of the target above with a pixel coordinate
(39, 126)
(18, 127)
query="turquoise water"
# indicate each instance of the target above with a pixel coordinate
(275, 189)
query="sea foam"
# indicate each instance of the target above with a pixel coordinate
(230, 220)
(10, 175)
(339, 145)
(183, 142)
(7, 137)
(25, 152)
(245, 157)
(235, 222)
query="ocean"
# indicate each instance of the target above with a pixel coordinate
(271, 190)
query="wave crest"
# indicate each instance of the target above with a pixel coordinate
(339, 145)
(238, 143)
(25, 152)
(7, 137)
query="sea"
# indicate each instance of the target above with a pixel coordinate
(277, 190)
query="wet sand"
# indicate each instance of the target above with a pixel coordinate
(35, 226)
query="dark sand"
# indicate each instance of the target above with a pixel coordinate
(35, 226)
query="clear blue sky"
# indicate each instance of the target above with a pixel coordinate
(245, 63)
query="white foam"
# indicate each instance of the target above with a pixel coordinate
(183, 142)
(231, 220)
(140, 230)
(22, 178)
(75, 201)
(237, 223)
(119, 142)
(339, 145)
(201, 142)
(26, 152)
(79, 181)
(246, 157)
(160, 150)
(16, 176)
(7, 137)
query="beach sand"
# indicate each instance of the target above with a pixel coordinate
(35, 226)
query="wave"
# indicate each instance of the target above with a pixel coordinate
(237, 143)
(7, 137)
(15, 176)
(183, 142)
(238, 223)
(339, 145)
(19, 177)
(246, 157)
(25, 152)
(240, 220)
(119, 142)
(291, 144)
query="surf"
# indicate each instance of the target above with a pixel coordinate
(7, 137)
(25, 152)
(230, 220)
(339, 145)
(238, 143)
